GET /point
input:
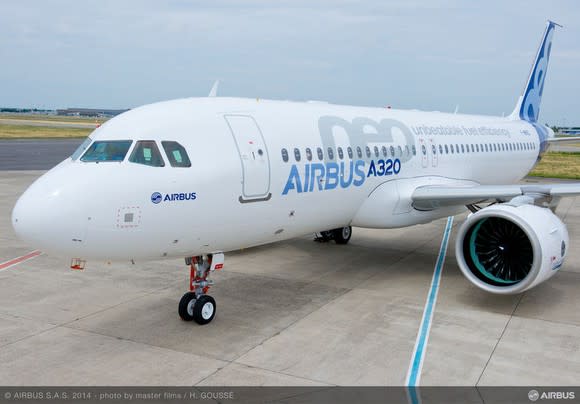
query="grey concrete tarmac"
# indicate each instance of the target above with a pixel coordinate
(35, 154)
(291, 313)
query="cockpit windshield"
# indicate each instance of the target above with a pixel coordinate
(107, 150)
(81, 148)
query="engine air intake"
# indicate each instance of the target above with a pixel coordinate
(498, 251)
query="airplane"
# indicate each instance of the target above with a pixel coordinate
(197, 177)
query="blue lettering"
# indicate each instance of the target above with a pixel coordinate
(331, 175)
(359, 170)
(293, 181)
(316, 167)
(397, 166)
(372, 169)
(343, 183)
(381, 171)
(192, 196)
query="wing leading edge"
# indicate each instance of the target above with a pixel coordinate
(434, 197)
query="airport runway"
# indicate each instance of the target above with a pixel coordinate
(35, 154)
(290, 313)
(48, 123)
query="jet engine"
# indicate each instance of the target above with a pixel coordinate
(508, 249)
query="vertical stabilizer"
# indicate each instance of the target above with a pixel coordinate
(528, 106)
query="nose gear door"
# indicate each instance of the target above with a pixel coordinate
(254, 158)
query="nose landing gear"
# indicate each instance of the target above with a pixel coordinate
(340, 236)
(196, 305)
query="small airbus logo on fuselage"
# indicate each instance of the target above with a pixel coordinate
(157, 197)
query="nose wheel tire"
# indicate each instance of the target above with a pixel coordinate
(201, 310)
(342, 235)
(204, 309)
(186, 305)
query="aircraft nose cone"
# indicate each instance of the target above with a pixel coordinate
(47, 216)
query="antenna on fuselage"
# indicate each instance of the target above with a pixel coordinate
(214, 88)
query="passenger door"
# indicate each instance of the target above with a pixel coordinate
(433, 150)
(254, 158)
(424, 152)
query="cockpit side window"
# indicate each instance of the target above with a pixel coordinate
(80, 150)
(147, 153)
(176, 154)
(107, 150)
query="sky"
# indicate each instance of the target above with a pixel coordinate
(428, 55)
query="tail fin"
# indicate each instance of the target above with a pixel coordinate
(528, 106)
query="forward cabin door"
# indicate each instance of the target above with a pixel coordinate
(254, 158)
(433, 150)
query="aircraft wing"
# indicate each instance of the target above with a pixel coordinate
(564, 140)
(433, 196)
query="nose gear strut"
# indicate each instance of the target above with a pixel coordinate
(196, 305)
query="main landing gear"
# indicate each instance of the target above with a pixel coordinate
(340, 235)
(196, 305)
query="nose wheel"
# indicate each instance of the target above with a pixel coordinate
(201, 310)
(340, 236)
(196, 305)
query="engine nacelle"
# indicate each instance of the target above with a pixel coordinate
(508, 249)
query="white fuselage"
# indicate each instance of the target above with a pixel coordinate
(240, 191)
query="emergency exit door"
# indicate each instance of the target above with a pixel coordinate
(254, 158)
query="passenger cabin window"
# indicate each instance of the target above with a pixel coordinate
(177, 154)
(358, 152)
(376, 149)
(414, 150)
(330, 153)
(297, 154)
(319, 153)
(340, 153)
(392, 150)
(384, 150)
(349, 150)
(368, 151)
(107, 150)
(285, 155)
(308, 154)
(147, 153)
